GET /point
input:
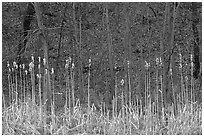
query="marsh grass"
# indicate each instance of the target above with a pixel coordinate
(28, 114)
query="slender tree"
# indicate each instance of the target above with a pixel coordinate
(43, 38)
(196, 42)
(111, 81)
(162, 52)
(78, 52)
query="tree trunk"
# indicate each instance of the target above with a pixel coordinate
(127, 52)
(172, 93)
(196, 43)
(79, 55)
(45, 48)
(60, 42)
(162, 55)
(164, 59)
(111, 81)
(27, 19)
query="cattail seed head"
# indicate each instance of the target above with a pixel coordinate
(89, 62)
(26, 72)
(180, 56)
(157, 61)
(32, 58)
(180, 66)
(160, 60)
(31, 66)
(12, 69)
(70, 59)
(191, 57)
(44, 61)
(52, 71)
(67, 64)
(147, 65)
(122, 82)
(38, 75)
(39, 59)
(8, 65)
(128, 63)
(45, 71)
(14, 64)
(170, 70)
(72, 65)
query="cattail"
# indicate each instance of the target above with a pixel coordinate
(31, 69)
(44, 61)
(21, 86)
(10, 82)
(147, 65)
(67, 64)
(192, 82)
(89, 84)
(72, 83)
(16, 81)
(40, 101)
(129, 82)
(157, 85)
(53, 104)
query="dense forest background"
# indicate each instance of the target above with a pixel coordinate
(121, 39)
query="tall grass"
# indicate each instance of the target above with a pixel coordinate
(29, 115)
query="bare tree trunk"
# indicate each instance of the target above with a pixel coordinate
(172, 72)
(60, 41)
(128, 51)
(45, 48)
(111, 81)
(27, 19)
(163, 55)
(196, 49)
(80, 61)
(79, 56)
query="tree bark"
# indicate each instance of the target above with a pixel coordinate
(196, 43)
(60, 41)
(27, 19)
(43, 38)
(128, 51)
(79, 55)
(111, 81)
(171, 93)
(163, 55)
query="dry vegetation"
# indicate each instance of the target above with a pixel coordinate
(29, 113)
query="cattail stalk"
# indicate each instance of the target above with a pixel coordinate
(45, 101)
(72, 83)
(21, 83)
(32, 79)
(173, 91)
(26, 86)
(9, 82)
(67, 86)
(39, 86)
(129, 83)
(157, 87)
(53, 103)
(89, 85)
(192, 84)
(123, 111)
(16, 82)
(116, 97)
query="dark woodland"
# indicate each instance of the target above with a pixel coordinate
(98, 53)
